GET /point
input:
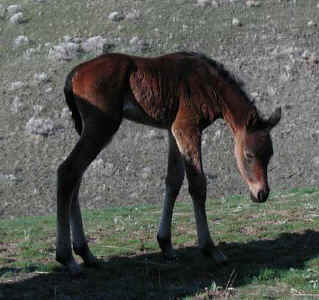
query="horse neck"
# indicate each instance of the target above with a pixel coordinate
(235, 108)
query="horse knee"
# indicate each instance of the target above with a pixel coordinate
(67, 178)
(197, 187)
(173, 185)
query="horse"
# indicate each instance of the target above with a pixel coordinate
(183, 93)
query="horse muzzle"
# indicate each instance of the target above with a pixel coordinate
(261, 196)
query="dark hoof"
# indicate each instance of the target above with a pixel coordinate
(88, 258)
(167, 249)
(170, 256)
(212, 252)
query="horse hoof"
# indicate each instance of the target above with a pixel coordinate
(170, 255)
(92, 262)
(219, 257)
(74, 269)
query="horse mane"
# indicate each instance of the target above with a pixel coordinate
(228, 76)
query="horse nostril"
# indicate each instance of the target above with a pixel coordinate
(262, 196)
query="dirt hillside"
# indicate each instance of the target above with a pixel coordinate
(271, 45)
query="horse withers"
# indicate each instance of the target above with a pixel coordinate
(180, 92)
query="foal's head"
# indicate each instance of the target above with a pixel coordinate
(253, 150)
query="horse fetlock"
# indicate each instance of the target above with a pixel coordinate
(219, 257)
(63, 256)
(84, 251)
(210, 250)
(165, 244)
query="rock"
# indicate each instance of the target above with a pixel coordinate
(205, 3)
(40, 126)
(16, 105)
(116, 16)
(236, 22)
(154, 134)
(311, 23)
(41, 77)
(134, 40)
(134, 14)
(94, 44)
(99, 168)
(7, 178)
(146, 172)
(252, 3)
(215, 3)
(14, 9)
(2, 11)
(21, 40)
(64, 51)
(17, 18)
(16, 85)
(315, 161)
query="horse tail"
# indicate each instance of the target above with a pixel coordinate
(70, 101)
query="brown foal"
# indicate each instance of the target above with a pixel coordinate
(182, 93)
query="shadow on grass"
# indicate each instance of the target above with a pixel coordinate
(149, 276)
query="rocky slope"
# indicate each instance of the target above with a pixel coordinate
(272, 45)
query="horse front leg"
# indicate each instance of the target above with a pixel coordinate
(189, 143)
(174, 181)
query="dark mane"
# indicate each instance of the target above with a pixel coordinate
(228, 76)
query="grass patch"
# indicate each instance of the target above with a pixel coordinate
(273, 250)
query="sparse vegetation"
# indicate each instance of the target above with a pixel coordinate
(273, 251)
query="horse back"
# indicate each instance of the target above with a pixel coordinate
(146, 90)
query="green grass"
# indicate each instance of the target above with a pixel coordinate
(273, 250)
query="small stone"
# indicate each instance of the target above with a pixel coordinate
(40, 126)
(133, 40)
(64, 51)
(49, 89)
(204, 3)
(13, 9)
(311, 23)
(16, 105)
(41, 77)
(66, 113)
(7, 177)
(94, 44)
(116, 16)
(2, 11)
(271, 91)
(252, 3)
(236, 22)
(313, 59)
(305, 54)
(21, 40)
(134, 14)
(315, 161)
(16, 85)
(146, 172)
(215, 3)
(17, 18)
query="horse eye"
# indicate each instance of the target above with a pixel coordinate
(249, 156)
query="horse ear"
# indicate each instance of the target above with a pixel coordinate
(274, 118)
(252, 119)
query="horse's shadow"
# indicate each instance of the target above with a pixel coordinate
(149, 276)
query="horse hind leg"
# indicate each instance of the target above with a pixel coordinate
(98, 131)
(174, 181)
(79, 241)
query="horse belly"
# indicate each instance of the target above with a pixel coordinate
(133, 112)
